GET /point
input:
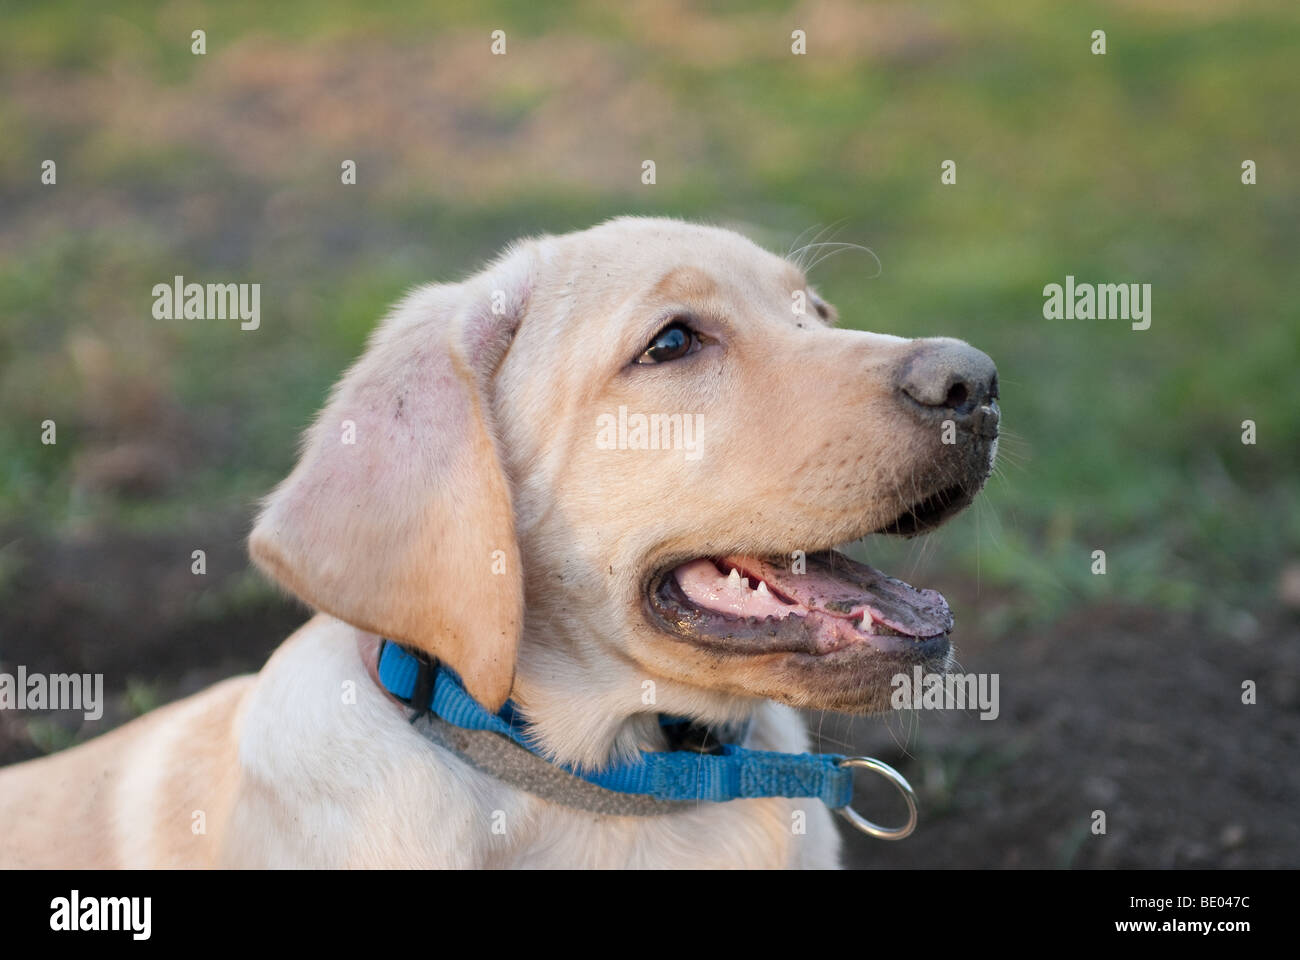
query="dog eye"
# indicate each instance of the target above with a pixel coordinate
(671, 343)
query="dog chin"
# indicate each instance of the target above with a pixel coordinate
(865, 687)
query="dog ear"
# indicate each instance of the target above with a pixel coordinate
(398, 518)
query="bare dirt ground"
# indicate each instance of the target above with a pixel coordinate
(1119, 710)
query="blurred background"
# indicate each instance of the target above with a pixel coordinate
(1120, 692)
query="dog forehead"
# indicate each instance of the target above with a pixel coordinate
(685, 283)
(664, 261)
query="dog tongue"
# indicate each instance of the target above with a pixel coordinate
(841, 587)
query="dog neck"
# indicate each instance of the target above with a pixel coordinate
(615, 714)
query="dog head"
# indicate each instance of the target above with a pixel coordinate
(608, 424)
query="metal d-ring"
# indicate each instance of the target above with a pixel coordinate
(900, 782)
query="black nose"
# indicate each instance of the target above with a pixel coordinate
(951, 380)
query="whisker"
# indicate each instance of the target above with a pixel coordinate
(790, 253)
(834, 248)
(798, 254)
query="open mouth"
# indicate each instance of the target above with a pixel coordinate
(741, 604)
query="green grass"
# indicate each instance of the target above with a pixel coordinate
(1115, 168)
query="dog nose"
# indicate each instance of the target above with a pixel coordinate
(950, 379)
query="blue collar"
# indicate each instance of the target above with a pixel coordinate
(729, 773)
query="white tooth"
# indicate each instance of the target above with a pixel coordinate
(733, 580)
(744, 582)
(762, 589)
(865, 624)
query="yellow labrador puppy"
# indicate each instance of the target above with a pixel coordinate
(602, 478)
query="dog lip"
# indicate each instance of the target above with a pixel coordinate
(909, 648)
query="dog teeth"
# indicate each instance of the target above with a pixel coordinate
(865, 623)
(736, 582)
